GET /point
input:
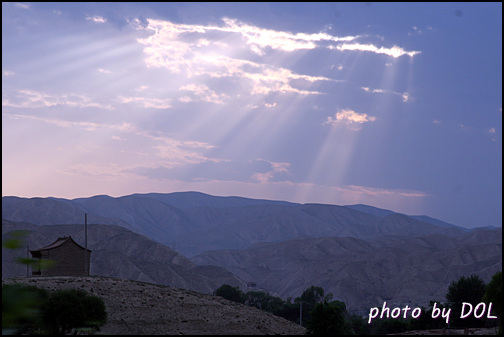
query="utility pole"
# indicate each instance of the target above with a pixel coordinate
(300, 312)
(86, 270)
(27, 257)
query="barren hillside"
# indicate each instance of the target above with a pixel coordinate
(138, 308)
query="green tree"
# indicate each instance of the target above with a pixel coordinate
(358, 325)
(313, 295)
(264, 301)
(467, 289)
(95, 313)
(425, 321)
(493, 294)
(327, 319)
(308, 299)
(230, 293)
(289, 311)
(73, 308)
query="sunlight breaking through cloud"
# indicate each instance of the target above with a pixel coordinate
(187, 50)
(193, 51)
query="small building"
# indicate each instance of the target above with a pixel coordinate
(68, 257)
(251, 285)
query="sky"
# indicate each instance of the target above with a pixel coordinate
(393, 105)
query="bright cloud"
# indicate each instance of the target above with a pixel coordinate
(348, 116)
(395, 51)
(96, 18)
(203, 51)
(261, 38)
(191, 51)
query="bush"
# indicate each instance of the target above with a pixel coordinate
(467, 289)
(493, 294)
(327, 319)
(69, 309)
(230, 293)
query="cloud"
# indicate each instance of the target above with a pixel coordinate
(277, 170)
(377, 192)
(22, 5)
(251, 171)
(464, 128)
(235, 51)
(89, 126)
(404, 95)
(38, 99)
(208, 51)
(168, 150)
(8, 73)
(147, 102)
(201, 92)
(348, 116)
(104, 71)
(261, 38)
(493, 133)
(395, 51)
(96, 18)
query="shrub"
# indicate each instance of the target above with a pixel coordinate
(230, 293)
(69, 309)
(467, 289)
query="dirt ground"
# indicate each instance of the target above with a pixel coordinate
(138, 308)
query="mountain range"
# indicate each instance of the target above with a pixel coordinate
(193, 222)
(362, 254)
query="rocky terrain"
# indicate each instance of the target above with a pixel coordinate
(139, 308)
(365, 273)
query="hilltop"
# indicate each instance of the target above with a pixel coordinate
(140, 308)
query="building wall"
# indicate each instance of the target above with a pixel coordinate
(68, 260)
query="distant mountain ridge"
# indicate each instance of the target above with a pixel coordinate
(194, 222)
(187, 200)
(384, 212)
